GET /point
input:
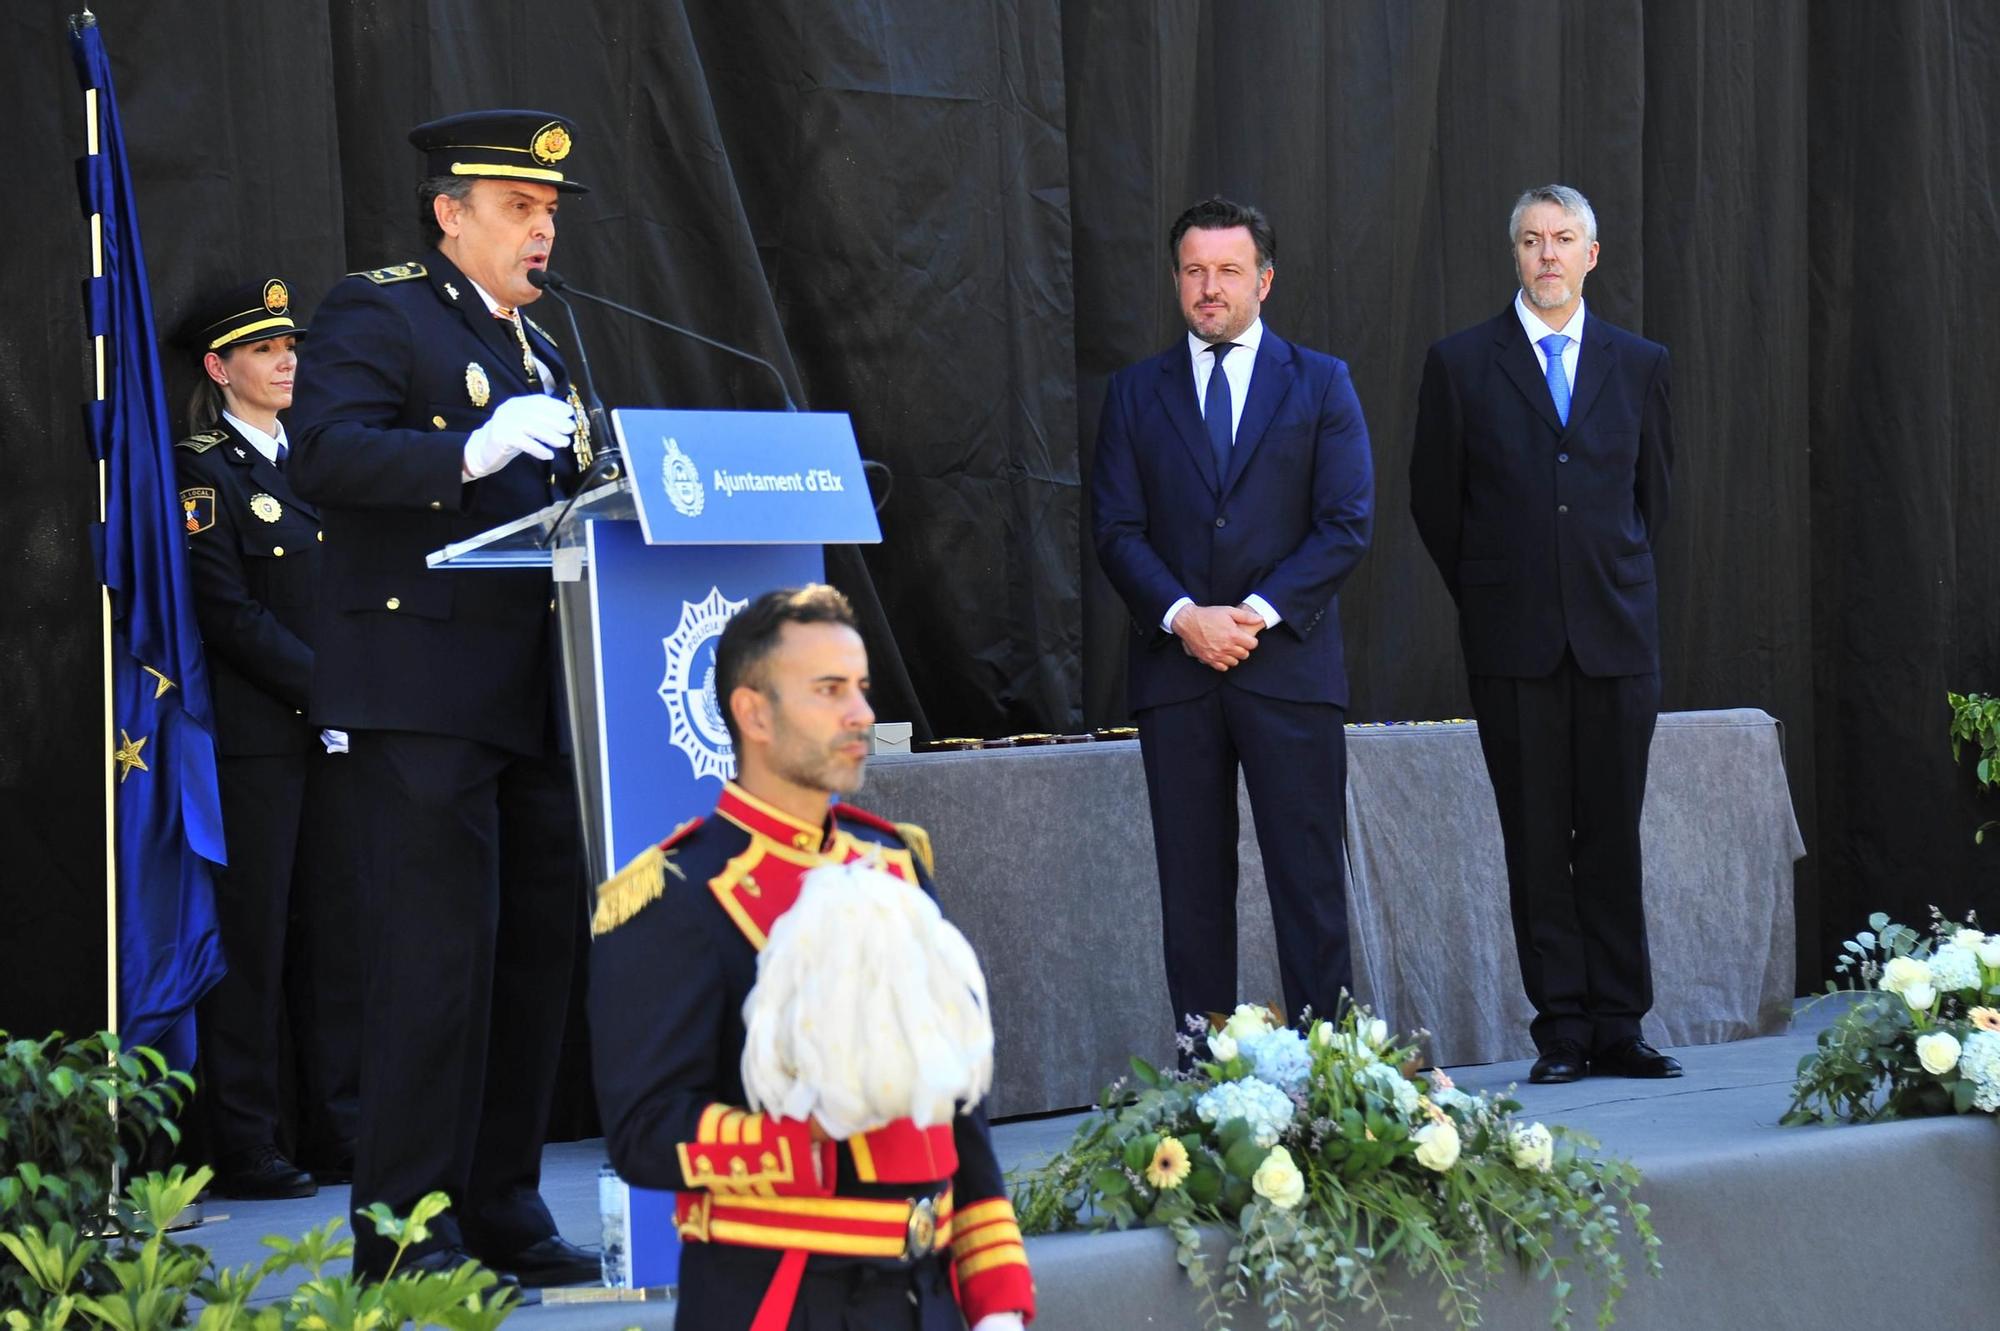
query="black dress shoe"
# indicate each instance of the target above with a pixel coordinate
(1562, 1061)
(1634, 1058)
(439, 1262)
(552, 1261)
(261, 1174)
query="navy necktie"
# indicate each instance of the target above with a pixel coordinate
(1217, 411)
(284, 451)
(1552, 347)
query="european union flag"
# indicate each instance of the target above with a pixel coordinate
(168, 826)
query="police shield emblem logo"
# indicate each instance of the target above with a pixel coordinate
(683, 481)
(265, 507)
(694, 714)
(197, 509)
(477, 386)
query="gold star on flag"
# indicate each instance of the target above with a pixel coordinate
(165, 683)
(127, 757)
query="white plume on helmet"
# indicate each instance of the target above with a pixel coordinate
(869, 1006)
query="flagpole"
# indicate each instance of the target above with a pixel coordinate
(110, 718)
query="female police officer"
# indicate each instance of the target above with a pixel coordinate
(254, 550)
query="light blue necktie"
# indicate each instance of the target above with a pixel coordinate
(1217, 411)
(1552, 347)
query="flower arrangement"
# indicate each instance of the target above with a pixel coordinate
(1922, 1037)
(1323, 1156)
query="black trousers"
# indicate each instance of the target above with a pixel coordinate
(721, 1288)
(1567, 756)
(474, 894)
(284, 908)
(1293, 757)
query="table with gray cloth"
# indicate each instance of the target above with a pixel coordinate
(1045, 860)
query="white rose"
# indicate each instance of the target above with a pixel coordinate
(1376, 1032)
(1279, 1180)
(1920, 996)
(1938, 1052)
(1534, 1148)
(1247, 1020)
(1968, 938)
(1322, 1034)
(1222, 1046)
(1902, 972)
(1989, 950)
(1437, 1146)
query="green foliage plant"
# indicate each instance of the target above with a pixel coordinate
(1975, 719)
(73, 1258)
(1370, 1167)
(74, 1115)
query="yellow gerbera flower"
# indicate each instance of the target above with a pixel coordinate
(1985, 1018)
(1170, 1165)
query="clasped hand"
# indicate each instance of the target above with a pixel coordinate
(1218, 636)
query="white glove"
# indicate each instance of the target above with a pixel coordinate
(1000, 1322)
(534, 423)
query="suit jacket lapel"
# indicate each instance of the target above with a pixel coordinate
(1270, 379)
(546, 348)
(1177, 396)
(264, 474)
(1593, 366)
(455, 289)
(1517, 359)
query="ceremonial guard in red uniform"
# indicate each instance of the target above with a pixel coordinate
(901, 1226)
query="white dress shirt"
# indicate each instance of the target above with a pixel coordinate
(1537, 330)
(500, 311)
(1236, 367)
(267, 444)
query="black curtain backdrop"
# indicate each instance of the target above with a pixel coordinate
(948, 219)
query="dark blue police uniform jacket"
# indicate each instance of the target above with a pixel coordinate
(405, 363)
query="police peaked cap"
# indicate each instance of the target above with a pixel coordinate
(247, 313)
(500, 145)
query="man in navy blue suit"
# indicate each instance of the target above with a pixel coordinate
(1539, 485)
(1232, 495)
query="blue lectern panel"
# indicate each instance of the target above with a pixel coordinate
(747, 477)
(658, 612)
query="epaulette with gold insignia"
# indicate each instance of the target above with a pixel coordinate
(639, 884)
(543, 331)
(395, 272)
(201, 443)
(919, 842)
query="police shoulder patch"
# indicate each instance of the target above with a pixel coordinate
(395, 272)
(201, 443)
(197, 508)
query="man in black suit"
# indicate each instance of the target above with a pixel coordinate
(1232, 494)
(1539, 484)
(433, 409)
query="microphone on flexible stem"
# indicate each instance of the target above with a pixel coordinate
(553, 283)
(542, 280)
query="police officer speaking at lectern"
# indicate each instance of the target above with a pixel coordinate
(434, 409)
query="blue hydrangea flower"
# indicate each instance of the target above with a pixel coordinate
(1266, 1109)
(1979, 1061)
(1954, 968)
(1279, 1057)
(1391, 1085)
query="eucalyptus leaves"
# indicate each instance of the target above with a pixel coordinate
(1326, 1160)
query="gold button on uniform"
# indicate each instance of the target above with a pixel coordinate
(320, 535)
(277, 552)
(395, 603)
(435, 505)
(437, 421)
